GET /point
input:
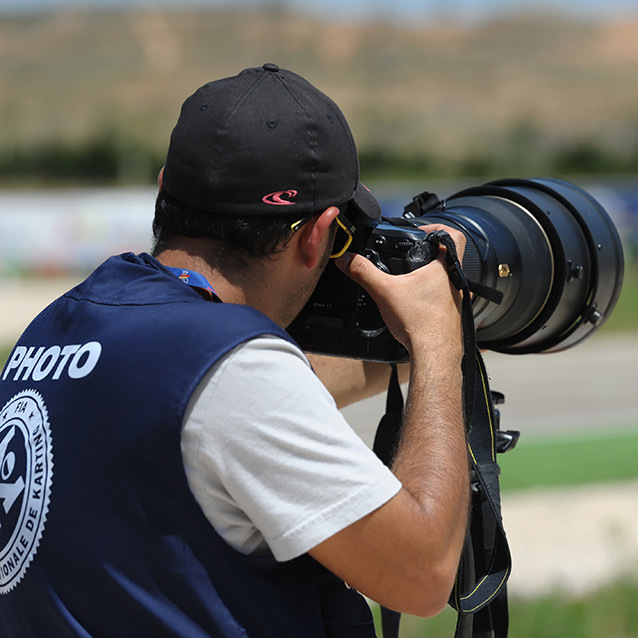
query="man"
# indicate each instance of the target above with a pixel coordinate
(170, 463)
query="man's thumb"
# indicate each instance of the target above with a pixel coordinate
(358, 268)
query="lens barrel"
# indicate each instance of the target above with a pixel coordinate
(550, 248)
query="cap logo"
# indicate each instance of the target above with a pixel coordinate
(280, 198)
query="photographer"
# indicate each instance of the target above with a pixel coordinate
(199, 478)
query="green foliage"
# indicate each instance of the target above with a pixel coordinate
(585, 156)
(114, 157)
(379, 163)
(521, 155)
(107, 157)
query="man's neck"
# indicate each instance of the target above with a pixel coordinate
(251, 284)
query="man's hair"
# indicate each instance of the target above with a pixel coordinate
(256, 236)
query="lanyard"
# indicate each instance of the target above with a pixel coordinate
(196, 280)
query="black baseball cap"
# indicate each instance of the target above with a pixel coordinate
(264, 141)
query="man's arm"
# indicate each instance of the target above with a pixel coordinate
(405, 554)
(350, 380)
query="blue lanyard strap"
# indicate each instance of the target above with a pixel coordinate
(196, 280)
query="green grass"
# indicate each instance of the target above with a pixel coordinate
(612, 612)
(5, 351)
(568, 461)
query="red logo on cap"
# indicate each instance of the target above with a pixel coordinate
(280, 198)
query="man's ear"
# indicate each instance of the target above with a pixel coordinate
(315, 235)
(160, 178)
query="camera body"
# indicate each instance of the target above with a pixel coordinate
(395, 249)
(341, 318)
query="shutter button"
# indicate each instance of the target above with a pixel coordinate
(269, 66)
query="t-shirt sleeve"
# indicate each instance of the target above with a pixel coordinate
(270, 458)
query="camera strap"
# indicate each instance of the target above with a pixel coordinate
(479, 595)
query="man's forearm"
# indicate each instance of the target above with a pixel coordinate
(432, 458)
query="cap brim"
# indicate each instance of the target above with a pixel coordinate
(365, 202)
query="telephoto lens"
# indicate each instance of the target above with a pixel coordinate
(550, 248)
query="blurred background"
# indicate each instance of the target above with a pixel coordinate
(440, 94)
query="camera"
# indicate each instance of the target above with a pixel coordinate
(545, 245)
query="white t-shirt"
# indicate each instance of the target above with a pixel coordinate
(270, 459)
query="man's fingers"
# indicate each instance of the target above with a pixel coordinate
(457, 236)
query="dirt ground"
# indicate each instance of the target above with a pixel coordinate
(574, 539)
(21, 300)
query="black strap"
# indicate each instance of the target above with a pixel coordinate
(479, 595)
(386, 442)
(480, 588)
(386, 439)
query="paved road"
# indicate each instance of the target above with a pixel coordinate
(20, 301)
(592, 385)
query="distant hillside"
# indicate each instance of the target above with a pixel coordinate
(519, 86)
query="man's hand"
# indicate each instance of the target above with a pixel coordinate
(421, 308)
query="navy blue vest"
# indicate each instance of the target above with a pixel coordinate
(100, 534)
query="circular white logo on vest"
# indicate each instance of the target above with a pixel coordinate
(26, 472)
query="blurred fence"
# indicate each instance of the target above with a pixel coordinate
(46, 233)
(50, 233)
